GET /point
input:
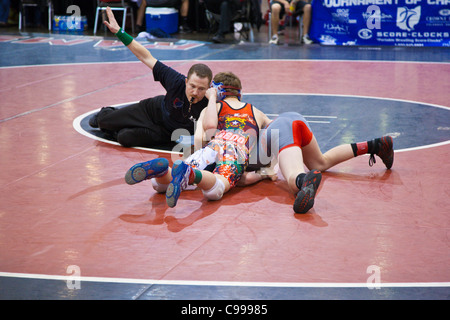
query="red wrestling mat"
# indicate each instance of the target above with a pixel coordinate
(64, 201)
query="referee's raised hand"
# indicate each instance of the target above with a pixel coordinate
(138, 49)
(112, 24)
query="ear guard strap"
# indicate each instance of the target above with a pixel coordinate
(222, 93)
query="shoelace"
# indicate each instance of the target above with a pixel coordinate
(184, 183)
(372, 159)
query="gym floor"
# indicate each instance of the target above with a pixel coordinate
(71, 228)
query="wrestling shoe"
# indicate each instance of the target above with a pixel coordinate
(385, 151)
(305, 197)
(146, 170)
(180, 180)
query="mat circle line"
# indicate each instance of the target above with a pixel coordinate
(77, 121)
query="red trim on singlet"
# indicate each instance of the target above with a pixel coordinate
(301, 134)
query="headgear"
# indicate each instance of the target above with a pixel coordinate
(222, 93)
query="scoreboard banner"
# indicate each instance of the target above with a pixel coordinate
(416, 23)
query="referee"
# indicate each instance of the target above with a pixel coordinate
(150, 122)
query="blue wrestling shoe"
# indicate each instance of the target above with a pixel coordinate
(305, 197)
(180, 180)
(147, 170)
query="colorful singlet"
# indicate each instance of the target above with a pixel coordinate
(238, 128)
(237, 135)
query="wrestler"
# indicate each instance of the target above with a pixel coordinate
(296, 141)
(236, 125)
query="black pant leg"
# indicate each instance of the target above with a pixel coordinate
(136, 125)
(125, 117)
(145, 125)
(141, 137)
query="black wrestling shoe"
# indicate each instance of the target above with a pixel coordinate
(385, 151)
(305, 197)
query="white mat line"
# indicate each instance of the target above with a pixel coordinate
(227, 283)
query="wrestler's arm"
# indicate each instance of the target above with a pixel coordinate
(265, 172)
(211, 118)
(199, 134)
(251, 177)
(207, 121)
(262, 119)
(138, 49)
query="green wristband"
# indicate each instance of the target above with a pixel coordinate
(124, 37)
(198, 176)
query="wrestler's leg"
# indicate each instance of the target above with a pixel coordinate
(161, 183)
(315, 159)
(209, 180)
(291, 169)
(184, 175)
(305, 185)
(214, 186)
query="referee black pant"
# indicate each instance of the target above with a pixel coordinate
(136, 125)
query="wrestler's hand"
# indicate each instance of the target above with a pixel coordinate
(211, 93)
(268, 173)
(112, 25)
(252, 177)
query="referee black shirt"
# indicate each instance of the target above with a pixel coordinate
(175, 108)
